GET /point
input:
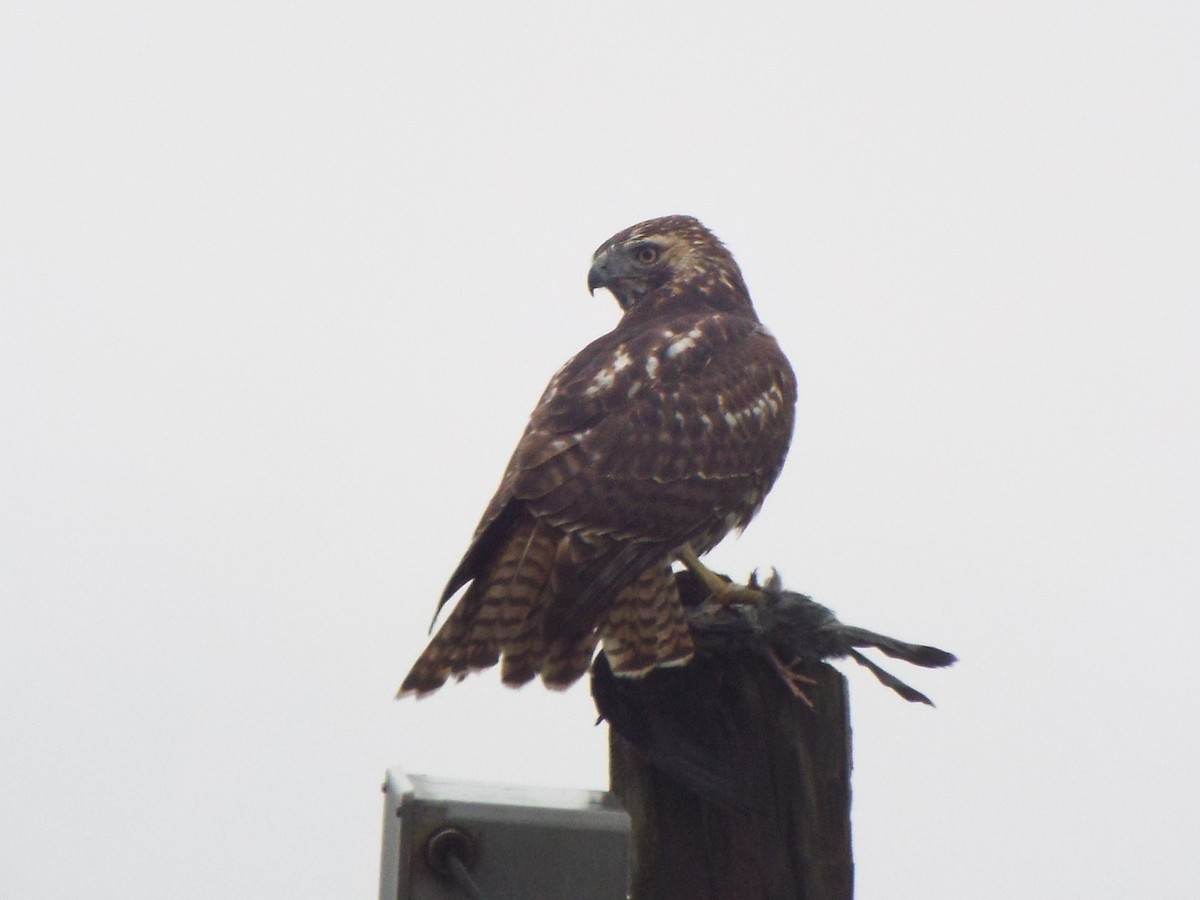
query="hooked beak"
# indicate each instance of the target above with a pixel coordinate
(600, 274)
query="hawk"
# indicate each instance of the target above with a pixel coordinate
(649, 445)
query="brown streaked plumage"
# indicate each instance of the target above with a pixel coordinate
(665, 433)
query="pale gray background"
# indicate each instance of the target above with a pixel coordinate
(282, 281)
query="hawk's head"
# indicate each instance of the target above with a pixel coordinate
(664, 258)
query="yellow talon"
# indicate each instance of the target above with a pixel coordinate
(721, 590)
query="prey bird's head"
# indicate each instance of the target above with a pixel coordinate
(660, 259)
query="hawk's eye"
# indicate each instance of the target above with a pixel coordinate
(646, 254)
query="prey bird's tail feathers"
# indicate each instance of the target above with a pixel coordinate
(917, 654)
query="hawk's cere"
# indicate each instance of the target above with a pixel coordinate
(655, 440)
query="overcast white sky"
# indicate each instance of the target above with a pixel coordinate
(281, 282)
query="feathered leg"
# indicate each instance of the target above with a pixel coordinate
(646, 625)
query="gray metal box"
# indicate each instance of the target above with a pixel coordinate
(526, 843)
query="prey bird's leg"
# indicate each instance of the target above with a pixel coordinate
(720, 589)
(793, 679)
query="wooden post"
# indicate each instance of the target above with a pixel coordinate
(736, 787)
(762, 749)
(790, 766)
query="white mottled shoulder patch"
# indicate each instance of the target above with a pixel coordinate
(622, 360)
(652, 366)
(682, 344)
(601, 381)
(764, 406)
